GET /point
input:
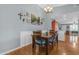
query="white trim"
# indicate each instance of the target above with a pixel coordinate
(15, 49)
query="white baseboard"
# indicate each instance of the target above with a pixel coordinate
(15, 49)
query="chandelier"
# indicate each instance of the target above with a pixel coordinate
(48, 8)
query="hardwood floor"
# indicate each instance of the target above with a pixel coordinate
(64, 48)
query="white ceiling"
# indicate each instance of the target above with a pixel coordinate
(69, 18)
(53, 5)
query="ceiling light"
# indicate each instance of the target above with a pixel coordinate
(48, 8)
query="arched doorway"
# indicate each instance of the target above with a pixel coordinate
(54, 25)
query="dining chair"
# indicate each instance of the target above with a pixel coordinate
(53, 39)
(38, 40)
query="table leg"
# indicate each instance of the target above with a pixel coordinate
(46, 46)
(33, 45)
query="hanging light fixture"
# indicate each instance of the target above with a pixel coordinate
(48, 8)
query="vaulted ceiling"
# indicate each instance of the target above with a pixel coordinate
(65, 13)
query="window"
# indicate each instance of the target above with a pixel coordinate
(74, 27)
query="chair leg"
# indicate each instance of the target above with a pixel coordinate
(57, 40)
(39, 48)
(52, 44)
(46, 49)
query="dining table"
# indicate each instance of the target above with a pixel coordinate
(45, 37)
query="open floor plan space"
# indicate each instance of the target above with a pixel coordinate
(39, 29)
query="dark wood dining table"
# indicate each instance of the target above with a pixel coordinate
(45, 37)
